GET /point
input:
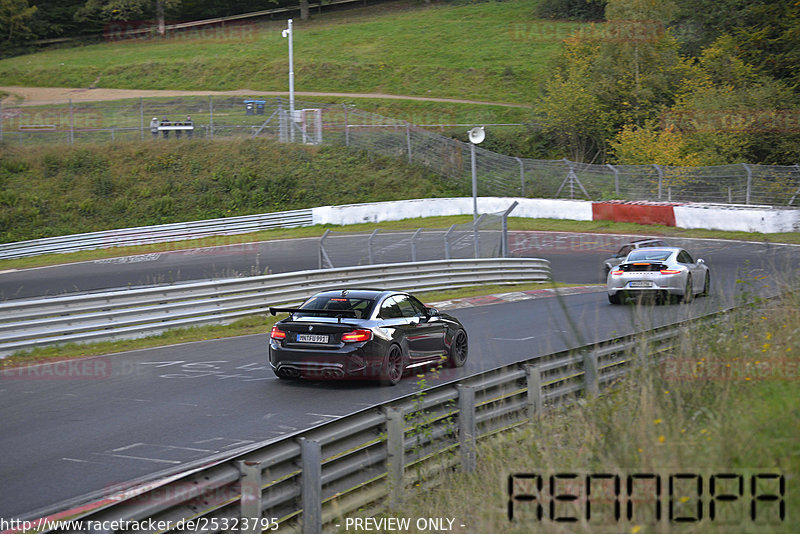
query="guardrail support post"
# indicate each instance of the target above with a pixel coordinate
(251, 495)
(395, 456)
(535, 401)
(590, 375)
(311, 486)
(466, 428)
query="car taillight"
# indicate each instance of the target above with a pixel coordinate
(277, 333)
(670, 271)
(354, 336)
(616, 273)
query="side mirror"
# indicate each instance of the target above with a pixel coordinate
(432, 312)
(700, 261)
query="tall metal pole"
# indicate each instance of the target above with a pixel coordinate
(474, 183)
(288, 33)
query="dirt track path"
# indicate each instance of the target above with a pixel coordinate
(36, 96)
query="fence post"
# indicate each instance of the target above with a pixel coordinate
(447, 242)
(466, 428)
(504, 236)
(395, 456)
(71, 124)
(591, 379)
(408, 140)
(141, 118)
(414, 244)
(660, 172)
(323, 254)
(791, 200)
(476, 236)
(521, 176)
(749, 182)
(369, 246)
(211, 117)
(251, 495)
(533, 377)
(346, 127)
(311, 486)
(616, 178)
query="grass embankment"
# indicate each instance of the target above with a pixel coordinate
(58, 190)
(476, 51)
(725, 402)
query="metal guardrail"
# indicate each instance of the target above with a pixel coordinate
(144, 235)
(365, 460)
(26, 324)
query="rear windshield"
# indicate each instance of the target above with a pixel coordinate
(644, 254)
(361, 307)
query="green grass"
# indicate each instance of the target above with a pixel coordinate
(59, 190)
(472, 51)
(659, 419)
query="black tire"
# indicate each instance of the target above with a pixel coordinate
(706, 285)
(393, 367)
(688, 291)
(459, 349)
(615, 298)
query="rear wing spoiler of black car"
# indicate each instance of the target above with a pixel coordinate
(330, 313)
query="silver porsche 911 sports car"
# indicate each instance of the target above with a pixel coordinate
(663, 272)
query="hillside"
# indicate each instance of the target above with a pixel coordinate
(474, 51)
(61, 190)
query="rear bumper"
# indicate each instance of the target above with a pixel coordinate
(351, 361)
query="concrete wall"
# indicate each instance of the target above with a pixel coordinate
(710, 217)
(534, 208)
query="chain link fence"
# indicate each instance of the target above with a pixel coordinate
(486, 237)
(498, 175)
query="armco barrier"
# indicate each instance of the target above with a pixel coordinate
(156, 234)
(365, 460)
(26, 324)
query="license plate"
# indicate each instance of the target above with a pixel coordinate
(312, 338)
(644, 283)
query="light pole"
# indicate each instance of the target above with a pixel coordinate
(288, 33)
(476, 135)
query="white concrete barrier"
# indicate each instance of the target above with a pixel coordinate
(763, 220)
(535, 208)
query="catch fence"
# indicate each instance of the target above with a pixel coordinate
(312, 123)
(485, 237)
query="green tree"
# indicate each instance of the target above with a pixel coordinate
(14, 17)
(128, 10)
(625, 71)
(732, 110)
